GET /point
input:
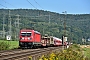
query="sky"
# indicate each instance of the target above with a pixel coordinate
(58, 6)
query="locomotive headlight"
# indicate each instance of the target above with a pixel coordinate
(28, 38)
(22, 38)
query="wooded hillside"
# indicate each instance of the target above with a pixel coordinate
(46, 22)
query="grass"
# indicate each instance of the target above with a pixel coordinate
(12, 44)
(87, 52)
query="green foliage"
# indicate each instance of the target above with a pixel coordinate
(7, 45)
(87, 52)
(4, 45)
(74, 52)
(77, 25)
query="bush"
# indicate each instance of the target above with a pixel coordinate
(72, 53)
(4, 45)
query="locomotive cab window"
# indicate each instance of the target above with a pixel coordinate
(28, 34)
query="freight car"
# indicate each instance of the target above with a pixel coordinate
(47, 41)
(57, 41)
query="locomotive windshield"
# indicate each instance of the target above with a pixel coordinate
(23, 34)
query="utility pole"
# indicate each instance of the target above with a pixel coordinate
(3, 26)
(63, 37)
(18, 20)
(49, 17)
(17, 28)
(10, 32)
(65, 22)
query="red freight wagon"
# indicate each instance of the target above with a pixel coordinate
(57, 41)
(47, 41)
(29, 38)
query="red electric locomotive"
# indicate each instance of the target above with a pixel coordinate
(29, 38)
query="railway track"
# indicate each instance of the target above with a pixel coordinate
(20, 54)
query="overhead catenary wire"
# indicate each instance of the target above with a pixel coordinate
(42, 8)
(3, 5)
(38, 4)
(31, 3)
(9, 4)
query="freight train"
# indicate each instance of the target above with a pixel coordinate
(30, 39)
